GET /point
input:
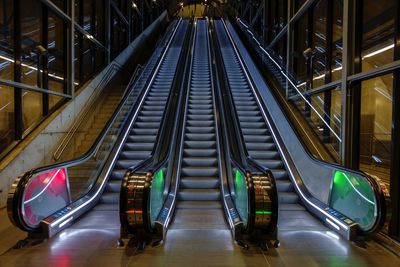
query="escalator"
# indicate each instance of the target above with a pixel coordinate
(256, 133)
(143, 134)
(46, 200)
(199, 194)
(352, 203)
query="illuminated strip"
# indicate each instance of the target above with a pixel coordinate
(379, 51)
(44, 189)
(358, 192)
(302, 96)
(333, 224)
(278, 144)
(124, 137)
(65, 222)
(331, 234)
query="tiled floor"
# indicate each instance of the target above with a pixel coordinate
(304, 242)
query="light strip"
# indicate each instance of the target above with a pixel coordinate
(124, 137)
(35, 69)
(379, 51)
(44, 189)
(278, 144)
(65, 222)
(331, 234)
(333, 224)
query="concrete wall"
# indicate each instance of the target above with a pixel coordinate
(38, 148)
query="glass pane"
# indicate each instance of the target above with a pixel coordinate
(31, 37)
(32, 108)
(241, 196)
(319, 44)
(376, 126)
(378, 33)
(6, 40)
(100, 22)
(56, 57)
(299, 62)
(7, 126)
(58, 87)
(45, 194)
(337, 46)
(353, 197)
(156, 195)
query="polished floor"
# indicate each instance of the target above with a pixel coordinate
(90, 242)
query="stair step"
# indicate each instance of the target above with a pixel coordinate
(199, 194)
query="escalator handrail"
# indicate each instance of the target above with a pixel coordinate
(379, 191)
(26, 177)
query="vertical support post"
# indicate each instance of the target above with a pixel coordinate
(107, 13)
(264, 23)
(17, 71)
(93, 47)
(394, 227)
(328, 67)
(289, 44)
(345, 55)
(352, 102)
(129, 18)
(43, 81)
(71, 50)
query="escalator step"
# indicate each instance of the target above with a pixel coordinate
(271, 164)
(257, 138)
(260, 146)
(125, 164)
(200, 162)
(200, 172)
(200, 182)
(110, 198)
(280, 174)
(199, 194)
(200, 152)
(288, 197)
(202, 205)
(284, 186)
(200, 137)
(200, 144)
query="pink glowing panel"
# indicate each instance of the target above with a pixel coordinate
(45, 193)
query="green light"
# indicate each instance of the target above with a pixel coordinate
(156, 194)
(354, 197)
(264, 212)
(241, 199)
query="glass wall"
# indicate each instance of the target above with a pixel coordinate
(376, 126)
(35, 54)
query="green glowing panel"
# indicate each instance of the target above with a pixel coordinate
(354, 197)
(264, 212)
(241, 199)
(156, 195)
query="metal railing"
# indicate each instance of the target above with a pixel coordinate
(81, 117)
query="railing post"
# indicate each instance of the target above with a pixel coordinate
(70, 51)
